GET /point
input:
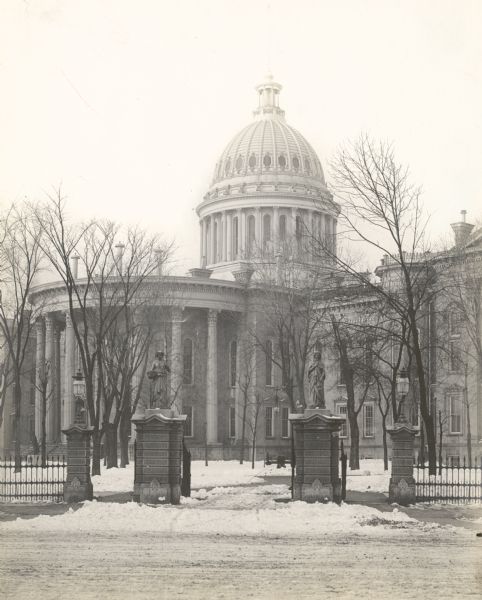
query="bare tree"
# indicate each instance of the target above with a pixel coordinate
(46, 396)
(20, 263)
(288, 298)
(381, 209)
(110, 277)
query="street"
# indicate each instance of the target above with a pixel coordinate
(42, 566)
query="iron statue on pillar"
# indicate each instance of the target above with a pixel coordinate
(316, 378)
(159, 397)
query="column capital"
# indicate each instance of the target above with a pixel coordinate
(212, 316)
(49, 322)
(176, 313)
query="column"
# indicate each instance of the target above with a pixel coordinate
(242, 236)
(259, 231)
(212, 380)
(213, 237)
(275, 227)
(201, 242)
(224, 228)
(68, 403)
(50, 365)
(334, 236)
(56, 403)
(39, 374)
(229, 236)
(176, 358)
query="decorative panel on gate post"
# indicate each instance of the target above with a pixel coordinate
(157, 477)
(78, 486)
(316, 450)
(402, 483)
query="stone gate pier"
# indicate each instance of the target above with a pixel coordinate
(316, 449)
(158, 460)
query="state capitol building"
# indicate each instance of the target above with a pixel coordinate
(268, 194)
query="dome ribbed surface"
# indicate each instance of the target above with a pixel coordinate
(268, 145)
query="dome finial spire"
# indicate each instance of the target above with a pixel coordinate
(268, 99)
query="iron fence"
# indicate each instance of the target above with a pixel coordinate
(454, 481)
(30, 481)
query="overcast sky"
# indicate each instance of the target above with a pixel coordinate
(128, 103)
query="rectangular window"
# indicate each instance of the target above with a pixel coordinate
(269, 422)
(285, 424)
(455, 323)
(368, 421)
(232, 422)
(455, 414)
(233, 359)
(455, 358)
(188, 424)
(341, 410)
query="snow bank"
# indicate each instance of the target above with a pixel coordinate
(246, 511)
(267, 518)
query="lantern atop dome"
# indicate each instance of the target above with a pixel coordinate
(268, 99)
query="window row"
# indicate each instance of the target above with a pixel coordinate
(267, 162)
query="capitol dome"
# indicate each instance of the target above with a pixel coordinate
(268, 187)
(268, 146)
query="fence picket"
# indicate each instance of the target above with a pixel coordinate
(453, 482)
(33, 483)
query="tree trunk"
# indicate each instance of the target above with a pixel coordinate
(110, 447)
(243, 434)
(421, 458)
(17, 394)
(424, 403)
(43, 433)
(96, 439)
(354, 443)
(384, 441)
(124, 434)
(440, 427)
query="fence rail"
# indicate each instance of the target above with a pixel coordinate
(453, 482)
(32, 482)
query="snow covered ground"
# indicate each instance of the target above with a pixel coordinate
(229, 511)
(370, 477)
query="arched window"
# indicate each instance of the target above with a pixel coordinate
(296, 163)
(269, 362)
(307, 165)
(282, 161)
(266, 229)
(252, 162)
(187, 361)
(267, 161)
(239, 163)
(251, 232)
(282, 228)
(227, 166)
(233, 362)
(235, 238)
